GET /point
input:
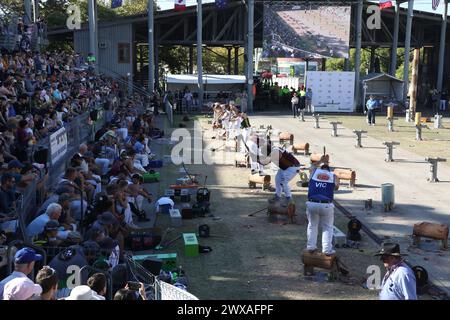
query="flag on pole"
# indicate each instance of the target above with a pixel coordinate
(384, 4)
(116, 3)
(180, 5)
(435, 4)
(222, 4)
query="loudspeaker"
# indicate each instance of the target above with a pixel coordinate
(41, 156)
(153, 265)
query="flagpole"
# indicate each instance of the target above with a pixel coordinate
(199, 53)
(251, 8)
(151, 63)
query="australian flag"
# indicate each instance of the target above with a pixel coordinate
(221, 4)
(116, 4)
(435, 4)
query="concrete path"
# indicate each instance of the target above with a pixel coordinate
(416, 199)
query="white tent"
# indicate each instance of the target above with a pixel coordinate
(212, 83)
(382, 86)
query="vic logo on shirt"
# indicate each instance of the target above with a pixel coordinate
(321, 185)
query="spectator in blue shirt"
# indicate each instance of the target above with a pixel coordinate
(371, 106)
(399, 282)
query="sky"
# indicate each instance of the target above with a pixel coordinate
(423, 5)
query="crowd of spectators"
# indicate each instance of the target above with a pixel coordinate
(88, 215)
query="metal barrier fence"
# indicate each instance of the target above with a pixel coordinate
(80, 130)
(169, 111)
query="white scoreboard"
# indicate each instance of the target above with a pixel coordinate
(333, 91)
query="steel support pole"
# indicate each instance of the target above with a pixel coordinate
(251, 16)
(442, 49)
(229, 60)
(358, 52)
(393, 66)
(191, 60)
(236, 60)
(93, 43)
(27, 8)
(151, 48)
(407, 48)
(199, 53)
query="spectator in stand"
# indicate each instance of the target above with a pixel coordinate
(37, 226)
(24, 261)
(7, 195)
(48, 280)
(97, 282)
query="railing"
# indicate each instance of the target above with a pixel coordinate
(169, 110)
(78, 131)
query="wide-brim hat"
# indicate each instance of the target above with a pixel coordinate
(390, 249)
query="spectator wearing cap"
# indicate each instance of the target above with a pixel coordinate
(21, 289)
(24, 261)
(399, 282)
(104, 221)
(15, 167)
(37, 226)
(48, 237)
(97, 282)
(48, 280)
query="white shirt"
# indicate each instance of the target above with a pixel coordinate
(14, 275)
(400, 285)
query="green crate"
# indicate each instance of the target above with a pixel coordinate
(151, 177)
(190, 244)
(169, 260)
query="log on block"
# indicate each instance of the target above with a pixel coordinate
(319, 158)
(318, 260)
(254, 179)
(281, 208)
(286, 136)
(301, 147)
(431, 230)
(346, 174)
(242, 160)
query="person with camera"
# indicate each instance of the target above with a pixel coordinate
(132, 291)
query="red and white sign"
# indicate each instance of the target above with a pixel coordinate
(180, 5)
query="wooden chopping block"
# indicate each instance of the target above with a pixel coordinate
(319, 157)
(346, 174)
(301, 147)
(431, 230)
(242, 160)
(254, 179)
(286, 136)
(279, 207)
(318, 260)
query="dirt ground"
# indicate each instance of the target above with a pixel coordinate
(252, 258)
